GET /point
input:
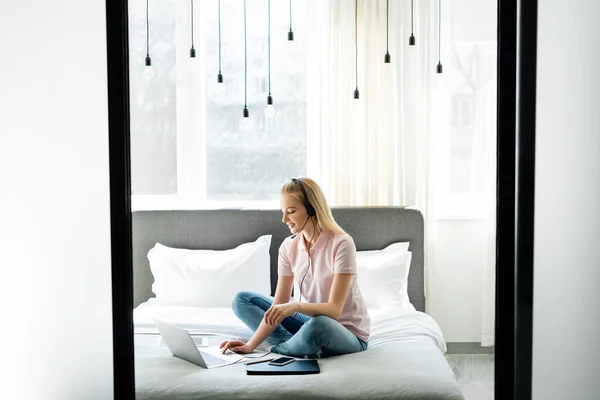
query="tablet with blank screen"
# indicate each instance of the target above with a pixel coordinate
(298, 367)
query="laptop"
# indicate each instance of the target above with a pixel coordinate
(182, 346)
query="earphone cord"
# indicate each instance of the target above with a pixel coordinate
(301, 229)
(299, 295)
(264, 355)
(308, 267)
(300, 287)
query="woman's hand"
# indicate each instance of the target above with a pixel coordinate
(277, 313)
(237, 346)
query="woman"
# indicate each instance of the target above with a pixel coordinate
(331, 317)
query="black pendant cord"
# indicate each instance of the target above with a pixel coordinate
(356, 93)
(147, 60)
(269, 46)
(439, 66)
(356, 41)
(219, 24)
(411, 40)
(387, 57)
(245, 66)
(439, 30)
(387, 25)
(291, 33)
(147, 36)
(147, 32)
(412, 16)
(192, 50)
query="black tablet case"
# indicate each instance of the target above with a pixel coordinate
(298, 367)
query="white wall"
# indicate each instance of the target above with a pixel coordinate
(55, 292)
(566, 320)
(454, 297)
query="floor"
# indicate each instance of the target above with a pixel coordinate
(475, 374)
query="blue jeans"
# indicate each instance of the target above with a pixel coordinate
(298, 335)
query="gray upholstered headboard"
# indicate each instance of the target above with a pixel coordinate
(372, 228)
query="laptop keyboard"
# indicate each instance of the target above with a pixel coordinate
(212, 360)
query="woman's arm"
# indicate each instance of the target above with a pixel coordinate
(283, 294)
(333, 307)
(335, 304)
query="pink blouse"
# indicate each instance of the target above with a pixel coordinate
(332, 253)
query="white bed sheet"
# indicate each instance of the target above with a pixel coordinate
(387, 325)
(404, 361)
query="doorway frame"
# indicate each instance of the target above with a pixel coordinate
(516, 99)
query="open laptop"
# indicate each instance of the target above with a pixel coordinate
(181, 345)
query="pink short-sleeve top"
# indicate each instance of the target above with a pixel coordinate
(332, 253)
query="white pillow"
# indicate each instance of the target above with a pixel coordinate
(209, 278)
(383, 276)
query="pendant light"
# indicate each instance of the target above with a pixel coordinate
(148, 71)
(411, 40)
(387, 59)
(439, 66)
(269, 108)
(193, 59)
(220, 83)
(356, 94)
(246, 114)
(291, 33)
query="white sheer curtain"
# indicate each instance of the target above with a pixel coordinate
(380, 149)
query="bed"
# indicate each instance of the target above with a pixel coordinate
(405, 358)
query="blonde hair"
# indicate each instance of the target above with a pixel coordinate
(306, 189)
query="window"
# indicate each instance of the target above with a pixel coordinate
(472, 79)
(252, 165)
(187, 139)
(188, 146)
(470, 58)
(153, 106)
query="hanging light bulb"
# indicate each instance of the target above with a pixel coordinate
(148, 71)
(269, 108)
(387, 59)
(220, 83)
(193, 62)
(411, 40)
(246, 123)
(439, 66)
(356, 93)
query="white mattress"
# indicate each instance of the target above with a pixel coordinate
(404, 361)
(386, 325)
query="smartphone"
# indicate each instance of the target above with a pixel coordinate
(281, 361)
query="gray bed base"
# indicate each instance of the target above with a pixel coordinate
(372, 228)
